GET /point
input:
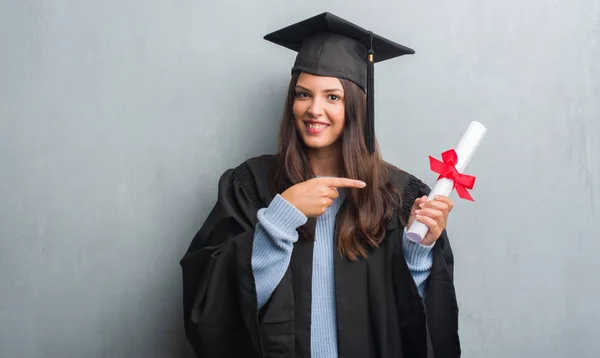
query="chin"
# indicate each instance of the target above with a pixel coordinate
(324, 140)
(311, 143)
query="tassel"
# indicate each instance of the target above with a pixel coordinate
(370, 122)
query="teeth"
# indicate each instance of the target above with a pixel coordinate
(316, 126)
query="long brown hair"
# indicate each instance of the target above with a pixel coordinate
(366, 211)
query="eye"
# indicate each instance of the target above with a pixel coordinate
(334, 97)
(302, 95)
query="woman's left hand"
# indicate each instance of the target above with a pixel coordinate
(432, 213)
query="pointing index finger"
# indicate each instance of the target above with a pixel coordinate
(343, 182)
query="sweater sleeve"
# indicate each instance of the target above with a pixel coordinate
(274, 240)
(419, 259)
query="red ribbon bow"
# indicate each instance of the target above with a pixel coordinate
(447, 169)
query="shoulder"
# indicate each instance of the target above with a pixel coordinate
(250, 179)
(262, 163)
(408, 186)
(405, 181)
(251, 167)
(255, 169)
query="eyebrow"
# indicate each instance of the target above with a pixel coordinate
(327, 90)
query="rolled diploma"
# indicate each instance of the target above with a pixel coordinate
(464, 151)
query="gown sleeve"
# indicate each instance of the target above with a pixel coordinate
(441, 250)
(440, 301)
(273, 245)
(219, 293)
(419, 259)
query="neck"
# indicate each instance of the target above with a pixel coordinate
(325, 161)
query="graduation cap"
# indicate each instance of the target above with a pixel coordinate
(328, 45)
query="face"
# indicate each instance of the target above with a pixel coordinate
(319, 110)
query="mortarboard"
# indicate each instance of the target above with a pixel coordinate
(328, 45)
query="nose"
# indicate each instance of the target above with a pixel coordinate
(316, 108)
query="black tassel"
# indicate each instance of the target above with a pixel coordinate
(370, 122)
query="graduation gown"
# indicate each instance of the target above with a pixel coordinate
(379, 310)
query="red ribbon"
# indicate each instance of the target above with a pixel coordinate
(447, 169)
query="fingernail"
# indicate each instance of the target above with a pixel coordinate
(417, 212)
(421, 205)
(363, 184)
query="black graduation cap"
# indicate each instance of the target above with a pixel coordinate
(328, 45)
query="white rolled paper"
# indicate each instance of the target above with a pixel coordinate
(464, 151)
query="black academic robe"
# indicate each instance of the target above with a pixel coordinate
(379, 310)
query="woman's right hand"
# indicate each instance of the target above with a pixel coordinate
(314, 196)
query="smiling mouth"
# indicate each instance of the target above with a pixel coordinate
(316, 125)
(315, 128)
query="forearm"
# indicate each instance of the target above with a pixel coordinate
(419, 259)
(273, 244)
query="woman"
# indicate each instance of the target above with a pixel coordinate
(305, 253)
